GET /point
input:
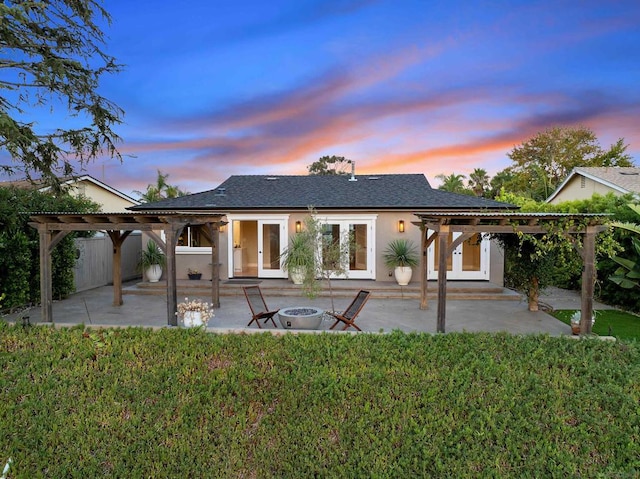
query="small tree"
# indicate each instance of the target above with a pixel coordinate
(535, 261)
(330, 165)
(328, 255)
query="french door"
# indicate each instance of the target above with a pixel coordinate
(470, 260)
(255, 245)
(272, 241)
(356, 234)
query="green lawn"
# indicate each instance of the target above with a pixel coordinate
(609, 322)
(184, 403)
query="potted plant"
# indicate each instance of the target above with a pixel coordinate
(575, 321)
(195, 313)
(401, 254)
(298, 257)
(194, 274)
(151, 261)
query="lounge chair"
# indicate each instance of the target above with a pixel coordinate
(258, 306)
(348, 317)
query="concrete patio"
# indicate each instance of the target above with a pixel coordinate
(382, 313)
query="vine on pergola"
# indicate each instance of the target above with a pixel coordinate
(533, 260)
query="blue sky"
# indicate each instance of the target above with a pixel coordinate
(213, 88)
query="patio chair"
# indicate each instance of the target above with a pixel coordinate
(258, 306)
(348, 317)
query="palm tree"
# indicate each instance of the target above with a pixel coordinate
(453, 183)
(160, 190)
(479, 181)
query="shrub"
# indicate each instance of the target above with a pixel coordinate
(19, 245)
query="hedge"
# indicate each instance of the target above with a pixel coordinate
(19, 245)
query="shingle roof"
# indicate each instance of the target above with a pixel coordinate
(402, 191)
(622, 179)
(626, 178)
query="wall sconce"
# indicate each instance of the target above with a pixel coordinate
(401, 226)
(298, 226)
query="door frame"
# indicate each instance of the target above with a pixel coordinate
(261, 219)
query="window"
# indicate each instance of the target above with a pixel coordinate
(195, 237)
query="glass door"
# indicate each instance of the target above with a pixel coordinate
(256, 243)
(470, 260)
(271, 244)
(355, 237)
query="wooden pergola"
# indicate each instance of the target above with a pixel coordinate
(53, 227)
(436, 226)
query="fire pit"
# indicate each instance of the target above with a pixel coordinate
(300, 317)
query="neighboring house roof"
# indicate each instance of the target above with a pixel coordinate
(379, 192)
(69, 181)
(621, 179)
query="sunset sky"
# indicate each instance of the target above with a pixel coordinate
(215, 88)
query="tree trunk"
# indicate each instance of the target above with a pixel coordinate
(534, 293)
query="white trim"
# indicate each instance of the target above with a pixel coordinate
(193, 249)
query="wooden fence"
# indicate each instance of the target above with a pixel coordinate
(94, 265)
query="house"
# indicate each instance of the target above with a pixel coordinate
(110, 199)
(262, 211)
(583, 182)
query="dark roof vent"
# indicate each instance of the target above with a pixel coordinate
(221, 192)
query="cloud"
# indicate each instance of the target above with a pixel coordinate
(301, 15)
(423, 107)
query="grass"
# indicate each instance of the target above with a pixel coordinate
(609, 322)
(182, 403)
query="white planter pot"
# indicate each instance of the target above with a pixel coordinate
(403, 275)
(297, 275)
(153, 273)
(192, 319)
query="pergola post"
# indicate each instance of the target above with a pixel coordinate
(443, 238)
(214, 231)
(46, 289)
(172, 233)
(117, 238)
(423, 267)
(588, 278)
